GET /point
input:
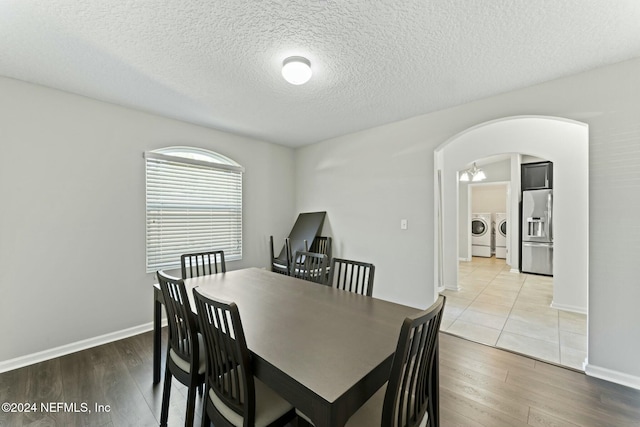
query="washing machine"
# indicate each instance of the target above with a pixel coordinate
(501, 235)
(481, 231)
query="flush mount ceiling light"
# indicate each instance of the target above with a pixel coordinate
(474, 174)
(296, 70)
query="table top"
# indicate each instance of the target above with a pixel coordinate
(326, 339)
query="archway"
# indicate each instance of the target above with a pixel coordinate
(565, 143)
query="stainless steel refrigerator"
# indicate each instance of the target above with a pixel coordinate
(537, 232)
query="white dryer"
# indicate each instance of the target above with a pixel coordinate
(481, 231)
(501, 235)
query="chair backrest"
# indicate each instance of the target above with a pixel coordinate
(352, 276)
(182, 323)
(281, 265)
(271, 252)
(202, 264)
(229, 373)
(310, 266)
(321, 245)
(412, 390)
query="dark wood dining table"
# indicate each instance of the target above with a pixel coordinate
(325, 350)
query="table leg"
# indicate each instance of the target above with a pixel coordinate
(157, 337)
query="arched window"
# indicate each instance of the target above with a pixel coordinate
(194, 204)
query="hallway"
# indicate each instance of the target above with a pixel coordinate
(512, 311)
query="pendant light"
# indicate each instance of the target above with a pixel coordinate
(474, 174)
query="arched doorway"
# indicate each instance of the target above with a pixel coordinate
(565, 143)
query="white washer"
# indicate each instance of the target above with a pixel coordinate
(501, 235)
(481, 230)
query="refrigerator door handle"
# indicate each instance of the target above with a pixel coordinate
(537, 244)
(550, 215)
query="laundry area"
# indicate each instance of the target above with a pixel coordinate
(489, 227)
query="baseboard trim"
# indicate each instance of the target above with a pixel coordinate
(41, 356)
(514, 270)
(612, 376)
(571, 308)
(464, 259)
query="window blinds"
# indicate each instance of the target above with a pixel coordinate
(192, 206)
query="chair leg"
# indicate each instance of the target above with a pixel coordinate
(166, 394)
(206, 421)
(301, 422)
(191, 405)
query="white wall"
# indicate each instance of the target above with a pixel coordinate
(367, 186)
(72, 220)
(369, 180)
(491, 198)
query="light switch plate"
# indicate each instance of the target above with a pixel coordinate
(404, 224)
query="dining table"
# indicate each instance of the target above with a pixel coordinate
(325, 350)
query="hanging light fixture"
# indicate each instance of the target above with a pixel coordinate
(474, 174)
(479, 175)
(296, 70)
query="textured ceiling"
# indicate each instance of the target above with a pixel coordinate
(217, 62)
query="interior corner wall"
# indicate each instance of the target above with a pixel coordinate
(72, 221)
(369, 180)
(367, 186)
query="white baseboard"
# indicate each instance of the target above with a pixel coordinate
(464, 259)
(514, 270)
(612, 376)
(41, 356)
(571, 308)
(452, 287)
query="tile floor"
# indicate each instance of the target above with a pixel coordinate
(512, 311)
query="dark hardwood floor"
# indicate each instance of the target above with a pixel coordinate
(479, 386)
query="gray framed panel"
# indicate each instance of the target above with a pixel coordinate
(306, 228)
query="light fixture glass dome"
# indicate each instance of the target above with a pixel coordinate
(479, 176)
(296, 70)
(474, 174)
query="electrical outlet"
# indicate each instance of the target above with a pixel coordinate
(404, 224)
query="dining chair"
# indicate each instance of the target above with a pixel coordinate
(411, 397)
(352, 276)
(282, 266)
(233, 396)
(185, 352)
(321, 245)
(202, 264)
(310, 266)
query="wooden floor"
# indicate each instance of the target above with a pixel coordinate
(479, 386)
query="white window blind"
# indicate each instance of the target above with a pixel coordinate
(193, 205)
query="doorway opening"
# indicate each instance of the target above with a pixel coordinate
(562, 141)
